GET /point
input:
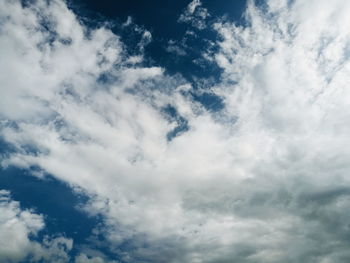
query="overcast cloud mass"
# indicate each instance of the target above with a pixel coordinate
(263, 179)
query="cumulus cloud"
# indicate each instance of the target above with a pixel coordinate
(17, 229)
(265, 179)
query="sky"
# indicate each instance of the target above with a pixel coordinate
(174, 131)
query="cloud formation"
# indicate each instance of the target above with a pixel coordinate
(17, 229)
(265, 179)
(195, 15)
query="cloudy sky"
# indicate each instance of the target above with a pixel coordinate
(175, 131)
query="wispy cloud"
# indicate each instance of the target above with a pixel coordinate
(175, 48)
(195, 15)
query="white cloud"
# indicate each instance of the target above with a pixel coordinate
(17, 227)
(270, 186)
(195, 15)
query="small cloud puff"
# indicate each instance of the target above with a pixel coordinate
(195, 15)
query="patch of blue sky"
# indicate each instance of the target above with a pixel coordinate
(161, 19)
(181, 122)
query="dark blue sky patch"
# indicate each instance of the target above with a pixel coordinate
(55, 200)
(173, 116)
(161, 19)
(50, 197)
(210, 101)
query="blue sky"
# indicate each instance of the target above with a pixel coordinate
(174, 131)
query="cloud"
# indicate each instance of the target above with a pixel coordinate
(176, 48)
(17, 229)
(195, 15)
(128, 22)
(82, 258)
(264, 179)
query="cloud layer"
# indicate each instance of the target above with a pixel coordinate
(265, 179)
